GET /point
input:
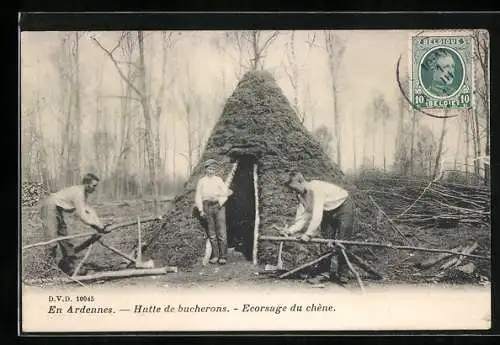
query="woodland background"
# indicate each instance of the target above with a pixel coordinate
(136, 108)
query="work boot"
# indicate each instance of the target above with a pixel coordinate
(213, 260)
(222, 261)
(66, 266)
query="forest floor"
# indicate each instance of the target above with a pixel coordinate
(237, 272)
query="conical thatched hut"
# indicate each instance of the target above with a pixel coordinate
(258, 139)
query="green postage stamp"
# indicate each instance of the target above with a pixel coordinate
(442, 71)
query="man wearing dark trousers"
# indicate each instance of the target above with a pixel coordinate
(211, 195)
(325, 206)
(71, 199)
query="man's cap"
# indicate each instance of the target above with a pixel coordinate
(210, 163)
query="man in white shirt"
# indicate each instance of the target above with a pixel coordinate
(211, 195)
(325, 206)
(72, 199)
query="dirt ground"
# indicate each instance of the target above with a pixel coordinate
(237, 272)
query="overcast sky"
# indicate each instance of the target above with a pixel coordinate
(367, 67)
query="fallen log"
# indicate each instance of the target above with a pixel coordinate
(458, 260)
(428, 263)
(123, 274)
(371, 244)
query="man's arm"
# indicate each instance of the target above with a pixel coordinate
(301, 217)
(317, 213)
(198, 196)
(86, 213)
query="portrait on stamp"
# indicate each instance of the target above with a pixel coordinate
(442, 72)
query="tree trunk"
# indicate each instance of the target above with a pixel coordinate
(412, 144)
(78, 115)
(337, 126)
(477, 144)
(459, 142)
(147, 117)
(440, 148)
(384, 141)
(467, 143)
(354, 146)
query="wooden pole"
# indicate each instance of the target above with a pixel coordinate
(257, 216)
(80, 264)
(356, 274)
(116, 251)
(139, 241)
(301, 267)
(127, 273)
(372, 244)
(117, 227)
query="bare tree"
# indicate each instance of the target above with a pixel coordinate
(481, 54)
(136, 79)
(335, 50)
(67, 63)
(324, 136)
(381, 112)
(251, 47)
(439, 152)
(293, 68)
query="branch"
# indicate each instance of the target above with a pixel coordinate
(271, 38)
(122, 75)
(121, 97)
(372, 244)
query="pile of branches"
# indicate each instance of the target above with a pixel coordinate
(440, 204)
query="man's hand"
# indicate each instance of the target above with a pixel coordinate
(202, 214)
(104, 229)
(304, 238)
(284, 232)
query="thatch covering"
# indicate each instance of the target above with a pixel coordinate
(257, 120)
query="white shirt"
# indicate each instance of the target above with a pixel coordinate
(211, 188)
(72, 199)
(320, 196)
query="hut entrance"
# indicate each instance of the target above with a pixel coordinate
(241, 208)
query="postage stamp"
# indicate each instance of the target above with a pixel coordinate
(442, 72)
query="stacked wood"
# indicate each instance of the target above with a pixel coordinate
(429, 203)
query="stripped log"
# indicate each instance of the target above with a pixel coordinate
(458, 260)
(117, 227)
(372, 244)
(308, 264)
(124, 274)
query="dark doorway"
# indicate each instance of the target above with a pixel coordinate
(240, 209)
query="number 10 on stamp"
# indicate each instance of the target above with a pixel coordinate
(442, 72)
